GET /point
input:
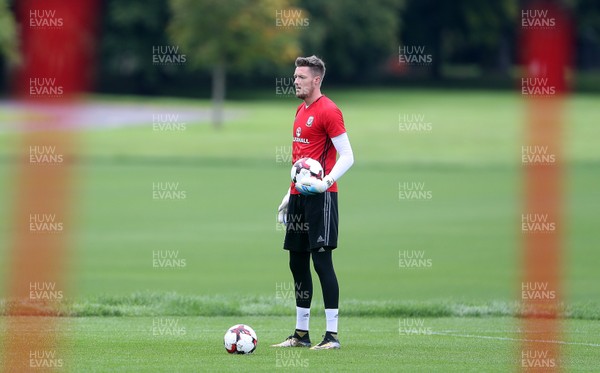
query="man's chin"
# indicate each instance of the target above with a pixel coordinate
(301, 96)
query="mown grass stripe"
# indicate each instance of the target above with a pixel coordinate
(173, 304)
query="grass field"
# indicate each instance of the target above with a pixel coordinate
(235, 269)
(125, 344)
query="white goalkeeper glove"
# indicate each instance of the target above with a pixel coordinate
(309, 186)
(283, 209)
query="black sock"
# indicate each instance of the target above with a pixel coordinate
(331, 335)
(301, 334)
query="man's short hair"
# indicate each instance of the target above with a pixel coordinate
(317, 66)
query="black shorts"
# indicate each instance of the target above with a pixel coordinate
(312, 222)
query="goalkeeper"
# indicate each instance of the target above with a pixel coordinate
(311, 206)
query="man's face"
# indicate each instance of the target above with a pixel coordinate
(305, 82)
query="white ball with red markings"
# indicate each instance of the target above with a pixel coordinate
(240, 339)
(306, 167)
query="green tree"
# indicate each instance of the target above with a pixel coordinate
(8, 35)
(131, 30)
(473, 30)
(355, 36)
(588, 34)
(235, 34)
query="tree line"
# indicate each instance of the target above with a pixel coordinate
(199, 47)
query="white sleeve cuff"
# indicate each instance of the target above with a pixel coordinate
(346, 159)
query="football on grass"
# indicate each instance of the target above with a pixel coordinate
(240, 339)
(306, 167)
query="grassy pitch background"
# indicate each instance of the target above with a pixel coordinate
(235, 269)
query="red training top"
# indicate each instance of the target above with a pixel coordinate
(314, 127)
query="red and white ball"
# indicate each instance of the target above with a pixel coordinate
(306, 167)
(240, 339)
